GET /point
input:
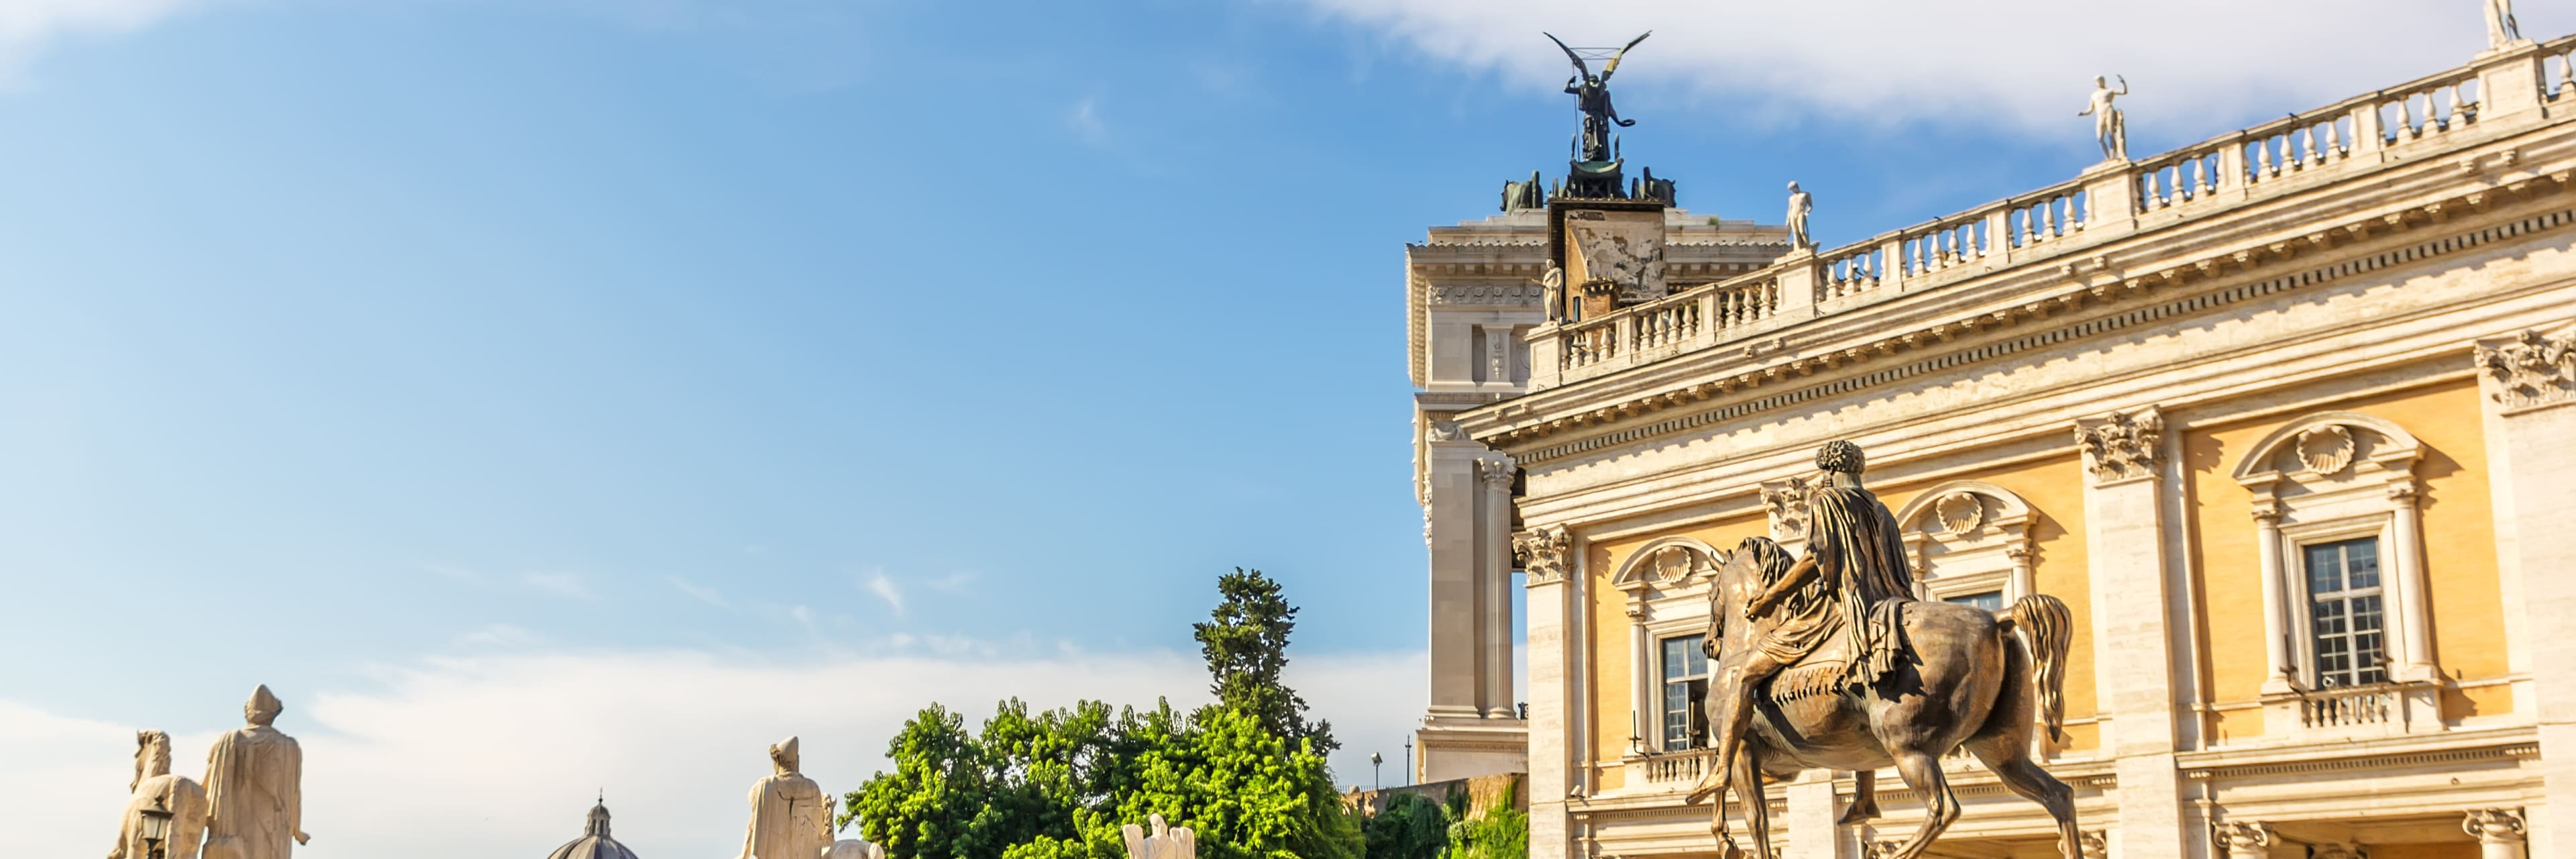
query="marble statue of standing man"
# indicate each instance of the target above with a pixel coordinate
(2110, 126)
(2501, 29)
(790, 816)
(254, 788)
(1800, 203)
(1552, 291)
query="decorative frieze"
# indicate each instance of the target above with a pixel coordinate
(2120, 445)
(1543, 553)
(2533, 369)
(1485, 294)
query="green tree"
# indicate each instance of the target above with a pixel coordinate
(1501, 833)
(1412, 826)
(1246, 644)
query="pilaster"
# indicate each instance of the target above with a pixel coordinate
(1495, 697)
(1545, 554)
(1810, 819)
(1450, 529)
(2529, 387)
(2125, 550)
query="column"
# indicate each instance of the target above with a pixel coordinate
(1449, 526)
(1493, 582)
(1641, 681)
(2414, 618)
(2124, 544)
(1553, 649)
(2276, 625)
(2531, 410)
(2499, 833)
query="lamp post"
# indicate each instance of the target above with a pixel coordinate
(156, 829)
(1376, 761)
(1408, 760)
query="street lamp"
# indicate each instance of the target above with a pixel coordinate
(156, 829)
(1375, 762)
(1408, 760)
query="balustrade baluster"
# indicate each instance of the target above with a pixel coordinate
(2334, 146)
(1912, 255)
(2308, 141)
(2074, 217)
(1955, 256)
(2459, 107)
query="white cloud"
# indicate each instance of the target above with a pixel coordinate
(2199, 67)
(885, 589)
(26, 26)
(1086, 123)
(562, 584)
(503, 752)
(706, 595)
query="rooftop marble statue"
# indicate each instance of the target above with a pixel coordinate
(1162, 842)
(2110, 125)
(156, 792)
(791, 818)
(2502, 30)
(254, 787)
(1855, 674)
(1801, 204)
(852, 848)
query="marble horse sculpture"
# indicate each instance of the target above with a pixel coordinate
(178, 800)
(1966, 680)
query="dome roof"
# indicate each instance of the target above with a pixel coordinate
(594, 842)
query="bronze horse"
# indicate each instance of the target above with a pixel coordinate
(1969, 681)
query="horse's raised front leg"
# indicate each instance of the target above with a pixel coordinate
(1922, 772)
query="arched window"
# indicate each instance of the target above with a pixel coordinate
(2340, 546)
(1969, 542)
(1667, 583)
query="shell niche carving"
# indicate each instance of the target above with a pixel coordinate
(2326, 450)
(1960, 512)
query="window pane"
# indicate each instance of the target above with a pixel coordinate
(1677, 715)
(2325, 568)
(2347, 620)
(1990, 600)
(2361, 563)
(1682, 658)
(1683, 666)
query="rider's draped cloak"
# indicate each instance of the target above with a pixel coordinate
(1858, 547)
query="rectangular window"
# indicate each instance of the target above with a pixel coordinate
(2344, 613)
(1685, 690)
(1990, 600)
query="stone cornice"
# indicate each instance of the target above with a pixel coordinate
(1959, 328)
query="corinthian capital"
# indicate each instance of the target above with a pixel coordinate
(2121, 445)
(1496, 472)
(1543, 553)
(2532, 369)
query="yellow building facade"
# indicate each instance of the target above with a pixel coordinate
(2286, 418)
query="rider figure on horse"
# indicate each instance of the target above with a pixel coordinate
(1854, 580)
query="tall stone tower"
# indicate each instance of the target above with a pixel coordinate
(1478, 296)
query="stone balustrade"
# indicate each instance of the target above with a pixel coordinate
(2349, 707)
(2411, 122)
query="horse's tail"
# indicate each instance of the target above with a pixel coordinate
(2050, 628)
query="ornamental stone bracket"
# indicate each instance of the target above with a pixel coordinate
(2529, 370)
(2121, 446)
(1543, 553)
(2094, 844)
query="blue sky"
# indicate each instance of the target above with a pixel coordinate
(433, 361)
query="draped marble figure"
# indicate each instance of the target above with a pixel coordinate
(155, 788)
(790, 816)
(254, 786)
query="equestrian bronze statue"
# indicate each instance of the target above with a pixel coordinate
(1829, 661)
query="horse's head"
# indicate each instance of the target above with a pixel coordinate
(1754, 565)
(151, 756)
